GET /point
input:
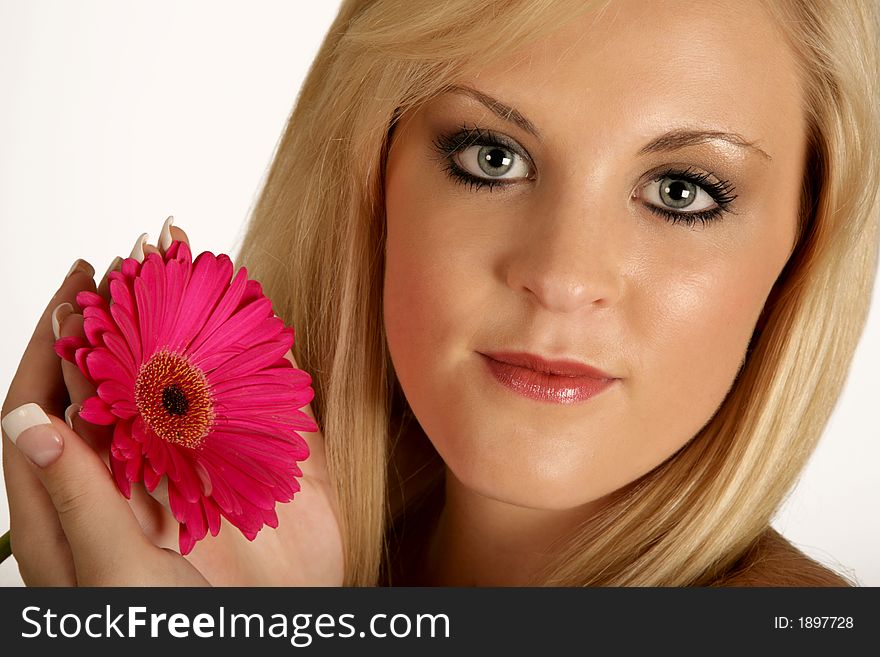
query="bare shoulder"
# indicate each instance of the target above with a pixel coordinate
(774, 561)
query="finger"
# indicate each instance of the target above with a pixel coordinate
(168, 233)
(38, 541)
(35, 526)
(140, 250)
(38, 376)
(104, 285)
(137, 252)
(155, 519)
(79, 388)
(100, 527)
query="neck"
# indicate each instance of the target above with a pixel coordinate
(480, 541)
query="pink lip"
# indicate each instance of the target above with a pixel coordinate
(557, 381)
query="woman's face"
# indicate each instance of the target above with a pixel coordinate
(639, 232)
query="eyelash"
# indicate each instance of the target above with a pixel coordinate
(448, 145)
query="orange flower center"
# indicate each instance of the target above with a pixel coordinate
(174, 398)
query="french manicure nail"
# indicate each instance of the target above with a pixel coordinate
(138, 251)
(80, 266)
(32, 432)
(165, 235)
(70, 411)
(61, 311)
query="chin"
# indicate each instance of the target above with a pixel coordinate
(546, 484)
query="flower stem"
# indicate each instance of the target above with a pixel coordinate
(5, 546)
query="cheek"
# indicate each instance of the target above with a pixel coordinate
(431, 299)
(687, 358)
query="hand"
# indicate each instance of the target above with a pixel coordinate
(305, 549)
(100, 542)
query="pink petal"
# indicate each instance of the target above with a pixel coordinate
(243, 483)
(96, 322)
(151, 479)
(117, 346)
(225, 308)
(179, 250)
(206, 284)
(112, 391)
(187, 481)
(134, 468)
(253, 290)
(212, 514)
(212, 360)
(157, 450)
(80, 357)
(159, 456)
(269, 392)
(96, 411)
(270, 517)
(221, 492)
(102, 366)
(127, 324)
(254, 358)
(66, 347)
(186, 540)
(120, 291)
(285, 378)
(87, 298)
(124, 409)
(117, 467)
(123, 445)
(204, 477)
(240, 327)
(148, 315)
(269, 451)
(263, 426)
(175, 285)
(130, 267)
(190, 516)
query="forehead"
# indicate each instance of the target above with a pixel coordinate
(635, 68)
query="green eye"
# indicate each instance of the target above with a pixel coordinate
(677, 193)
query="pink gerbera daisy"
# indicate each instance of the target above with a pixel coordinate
(189, 368)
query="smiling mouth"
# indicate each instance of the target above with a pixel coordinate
(546, 386)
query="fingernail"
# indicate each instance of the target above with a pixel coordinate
(138, 251)
(61, 311)
(80, 266)
(32, 432)
(70, 411)
(165, 235)
(112, 266)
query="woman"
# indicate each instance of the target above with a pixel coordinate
(687, 220)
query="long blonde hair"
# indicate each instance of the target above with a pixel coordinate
(316, 242)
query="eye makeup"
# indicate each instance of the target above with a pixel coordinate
(448, 145)
(720, 191)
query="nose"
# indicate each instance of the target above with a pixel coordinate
(570, 259)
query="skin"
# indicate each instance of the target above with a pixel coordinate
(567, 261)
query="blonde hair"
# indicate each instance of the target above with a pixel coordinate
(316, 242)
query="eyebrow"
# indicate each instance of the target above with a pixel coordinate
(669, 141)
(682, 138)
(498, 108)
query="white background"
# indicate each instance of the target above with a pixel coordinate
(114, 115)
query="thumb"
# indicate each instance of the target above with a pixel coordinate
(96, 519)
